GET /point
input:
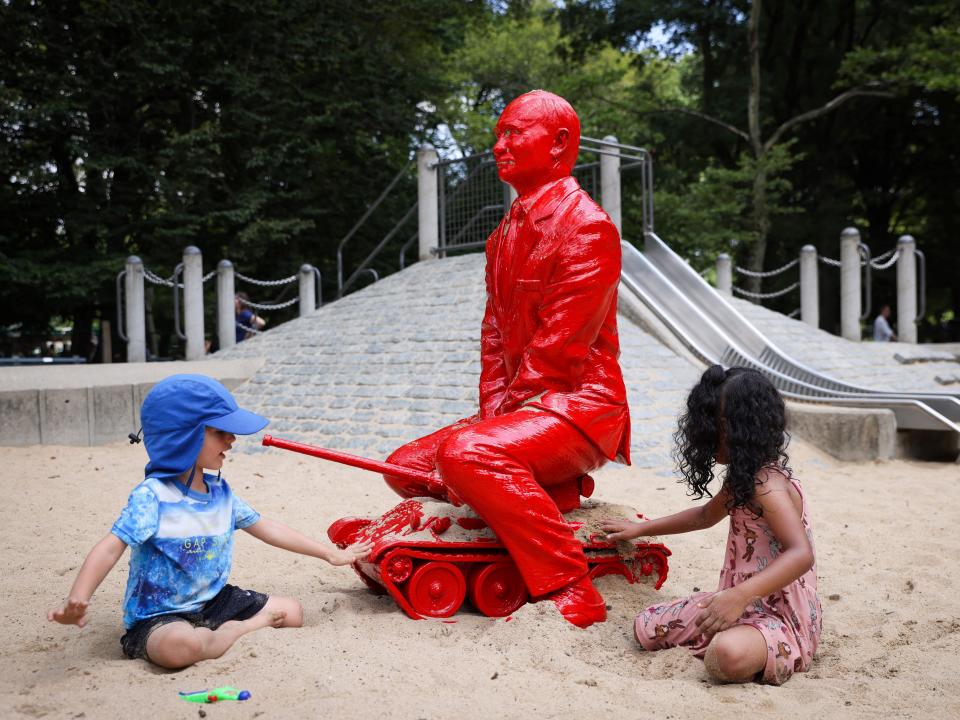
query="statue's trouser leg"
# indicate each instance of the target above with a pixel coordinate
(420, 454)
(499, 466)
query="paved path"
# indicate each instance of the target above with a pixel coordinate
(401, 358)
(865, 363)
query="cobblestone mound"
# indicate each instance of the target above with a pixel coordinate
(401, 358)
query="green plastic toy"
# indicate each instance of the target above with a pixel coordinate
(215, 695)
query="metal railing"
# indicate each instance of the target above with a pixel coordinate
(472, 198)
(342, 285)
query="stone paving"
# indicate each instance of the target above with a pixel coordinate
(865, 363)
(401, 358)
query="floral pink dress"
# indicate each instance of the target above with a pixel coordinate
(790, 619)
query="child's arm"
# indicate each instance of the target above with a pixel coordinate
(286, 538)
(698, 518)
(98, 564)
(796, 557)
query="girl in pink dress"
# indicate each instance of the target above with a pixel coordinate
(763, 622)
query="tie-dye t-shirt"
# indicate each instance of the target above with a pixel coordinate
(181, 545)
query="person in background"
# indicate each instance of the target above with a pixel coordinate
(248, 322)
(882, 332)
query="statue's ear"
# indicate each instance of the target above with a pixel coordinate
(560, 142)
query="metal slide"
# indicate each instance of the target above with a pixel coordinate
(715, 332)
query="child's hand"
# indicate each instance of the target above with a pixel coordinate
(621, 529)
(720, 611)
(74, 612)
(351, 553)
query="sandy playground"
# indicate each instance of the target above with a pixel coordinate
(889, 564)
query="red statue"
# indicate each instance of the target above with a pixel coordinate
(553, 405)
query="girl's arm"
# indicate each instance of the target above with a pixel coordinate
(286, 538)
(796, 557)
(698, 518)
(99, 562)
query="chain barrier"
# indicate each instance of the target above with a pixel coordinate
(275, 306)
(769, 273)
(248, 329)
(794, 314)
(265, 283)
(878, 264)
(152, 277)
(765, 296)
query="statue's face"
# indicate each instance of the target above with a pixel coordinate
(528, 147)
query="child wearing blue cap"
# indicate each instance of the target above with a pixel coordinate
(179, 523)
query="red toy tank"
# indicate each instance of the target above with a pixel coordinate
(430, 556)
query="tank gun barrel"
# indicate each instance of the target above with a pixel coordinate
(351, 460)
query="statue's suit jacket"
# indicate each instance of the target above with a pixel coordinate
(549, 334)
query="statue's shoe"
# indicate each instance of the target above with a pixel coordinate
(580, 603)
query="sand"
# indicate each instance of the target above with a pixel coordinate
(888, 554)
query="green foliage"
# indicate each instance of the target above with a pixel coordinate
(503, 56)
(256, 131)
(926, 60)
(260, 132)
(714, 212)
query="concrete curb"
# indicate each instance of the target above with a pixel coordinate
(845, 433)
(91, 405)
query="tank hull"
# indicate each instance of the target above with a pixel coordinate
(431, 557)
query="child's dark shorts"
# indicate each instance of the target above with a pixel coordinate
(231, 603)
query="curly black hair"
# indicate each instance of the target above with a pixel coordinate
(744, 409)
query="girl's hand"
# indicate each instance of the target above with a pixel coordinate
(74, 612)
(350, 554)
(720, 611)
(621, 529)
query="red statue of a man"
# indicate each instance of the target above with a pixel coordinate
(552, 401)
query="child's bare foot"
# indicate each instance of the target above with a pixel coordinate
(266, 618)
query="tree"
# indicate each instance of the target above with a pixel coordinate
(769, 155)
(257, 131)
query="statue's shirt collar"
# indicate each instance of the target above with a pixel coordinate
(542, 202)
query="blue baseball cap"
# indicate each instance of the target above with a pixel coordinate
(175, 414)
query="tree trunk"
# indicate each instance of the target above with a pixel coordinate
(80, 336)
(761, 226)
(760, 212)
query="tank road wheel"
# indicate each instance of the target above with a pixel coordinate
(497, 589)
(398, 568)
(437, 589)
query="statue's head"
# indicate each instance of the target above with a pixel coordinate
(538, 138)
